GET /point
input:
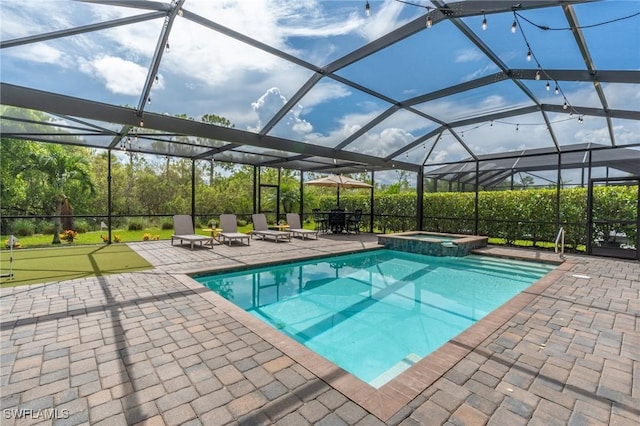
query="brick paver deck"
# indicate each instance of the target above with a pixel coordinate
(156, 348)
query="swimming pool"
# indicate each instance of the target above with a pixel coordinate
(376, 313)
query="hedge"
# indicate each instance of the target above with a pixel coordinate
(510, 215)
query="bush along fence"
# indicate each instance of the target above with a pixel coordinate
(522, 215)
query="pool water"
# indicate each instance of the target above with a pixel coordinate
(376, 313)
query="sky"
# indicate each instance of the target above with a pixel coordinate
(206, 72)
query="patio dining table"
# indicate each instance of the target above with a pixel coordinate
(336, 220)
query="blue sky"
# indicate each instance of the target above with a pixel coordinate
(207, 72)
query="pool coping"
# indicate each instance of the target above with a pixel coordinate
(458, 237)
(390, 398)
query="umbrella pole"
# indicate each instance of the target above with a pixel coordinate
(338, 196)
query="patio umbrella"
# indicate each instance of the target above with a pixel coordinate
(338, 181)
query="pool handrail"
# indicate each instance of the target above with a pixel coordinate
(560, 241)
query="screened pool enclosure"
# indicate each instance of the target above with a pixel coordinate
(469, 97)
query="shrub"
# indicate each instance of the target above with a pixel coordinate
(118, 222)
(68, 235)
(136, 225)
(16, 243)
(167, 224)
(242, 222)
(44, 227)
(81, 225)
(23, 228)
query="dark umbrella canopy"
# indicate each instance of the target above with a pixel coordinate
(338, 181)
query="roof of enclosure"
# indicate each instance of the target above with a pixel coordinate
(319, 85)
(492, 170)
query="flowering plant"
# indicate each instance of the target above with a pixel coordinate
(116, 238)
(69, 235)
(146, 237)
(16, 243)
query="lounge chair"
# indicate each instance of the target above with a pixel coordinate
(229, 225)
(183, 231)
(261, 229)
(293, 219)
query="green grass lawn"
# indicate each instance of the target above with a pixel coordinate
(38, 261)
(31, 266)
(95, 237)
(529, 244)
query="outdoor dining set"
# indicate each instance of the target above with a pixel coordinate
(338, 220)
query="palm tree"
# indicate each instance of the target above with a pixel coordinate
(59, 167)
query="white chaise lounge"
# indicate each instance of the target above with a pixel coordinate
(261, 229)
(229, 233)
(295, 227)
(183, 231)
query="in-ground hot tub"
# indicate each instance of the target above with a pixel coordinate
(432, 243)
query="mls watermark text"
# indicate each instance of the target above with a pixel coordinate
(40, 414)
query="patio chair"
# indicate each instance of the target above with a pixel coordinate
(293, 219)
(229, 226)
(337, 221)
(321, 220)
(353, 223)
(183, 231)
(261, 229)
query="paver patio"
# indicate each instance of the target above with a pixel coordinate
(155, 347)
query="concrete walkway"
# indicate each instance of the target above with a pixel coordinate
(156, 348)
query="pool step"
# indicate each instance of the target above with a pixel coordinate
(503, 266)
(398, 368)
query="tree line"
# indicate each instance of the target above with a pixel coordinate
(47, 181)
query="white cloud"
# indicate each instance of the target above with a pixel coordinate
(594, 135)
(25, 18)
(207, 72)
(447, 149)
(408, 121)
(385, 142)
(490, 67)
(493, 102)
(347, 125)
(323, 92)
(448, 109)
(622, 96)
(120, 76)
(384, 18)
(627, 134)
(269, 104)
(468, 55)
(41, 53)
